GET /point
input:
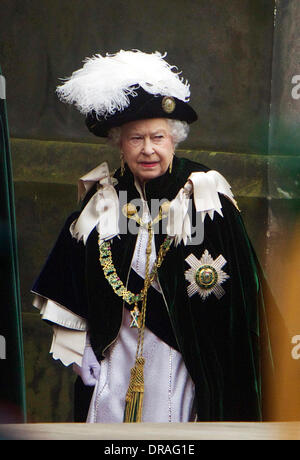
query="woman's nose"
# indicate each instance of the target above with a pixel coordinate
(148, 147)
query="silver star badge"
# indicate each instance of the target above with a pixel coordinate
(205, 275)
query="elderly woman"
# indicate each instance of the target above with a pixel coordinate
(152, 288)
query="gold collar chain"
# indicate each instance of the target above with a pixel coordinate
(110, 273)
(114, 280)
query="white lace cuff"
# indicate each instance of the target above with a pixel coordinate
(58, 314)
(68, 345)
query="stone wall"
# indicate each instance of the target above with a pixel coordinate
(223, 47)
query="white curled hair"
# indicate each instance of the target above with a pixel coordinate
(179, 131)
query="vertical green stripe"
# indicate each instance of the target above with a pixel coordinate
(12, 375)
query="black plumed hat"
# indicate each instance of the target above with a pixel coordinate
(128, 86)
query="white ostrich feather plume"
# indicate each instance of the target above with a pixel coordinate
(103, 84)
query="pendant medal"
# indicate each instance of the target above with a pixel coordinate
(135, 314)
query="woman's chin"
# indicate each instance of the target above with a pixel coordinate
(146, 176)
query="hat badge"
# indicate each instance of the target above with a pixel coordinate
(168, 104)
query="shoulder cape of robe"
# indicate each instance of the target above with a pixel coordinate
(223, 341)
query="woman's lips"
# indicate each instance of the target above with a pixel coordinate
(148, 164)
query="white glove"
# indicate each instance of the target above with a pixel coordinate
(89, 371)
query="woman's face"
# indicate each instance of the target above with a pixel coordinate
(147, 147)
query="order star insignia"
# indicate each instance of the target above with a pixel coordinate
(205, 275)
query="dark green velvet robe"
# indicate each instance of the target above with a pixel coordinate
(220, 340)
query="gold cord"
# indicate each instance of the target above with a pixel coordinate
(147, 283)
(135, 393)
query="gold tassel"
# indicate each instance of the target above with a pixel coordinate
(135, 393)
